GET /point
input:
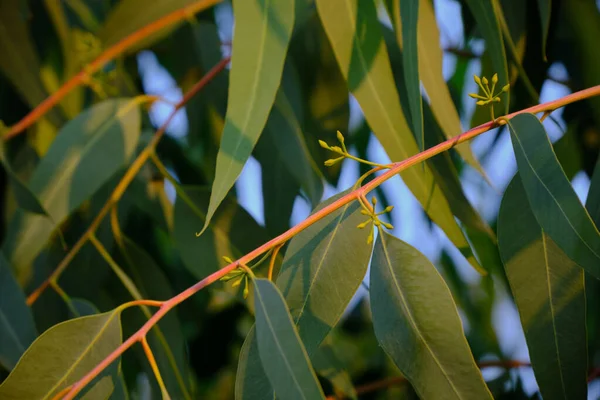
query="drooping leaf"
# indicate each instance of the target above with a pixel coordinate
(251, 381)
(553, 201)
(407, 11)
(592, 285)
(325, 97)
(129, 16)
(283, 356)
(430, 72)
(20, 63)
(262, 34)
(87, 152)
(333, 252)
(355, 34)
(549, 292)
(232, 232)
(545, 7)
(102, 390)
(284, 131)
(62, 355)
(17, 328)
(417, 324)
(487, 22)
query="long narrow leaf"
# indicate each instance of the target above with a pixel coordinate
(262, 34)
(549, 292)
(553, 201)
(283, 356)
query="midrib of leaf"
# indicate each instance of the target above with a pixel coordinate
(553, 198)
(83, 353)
(252, 101)
(276, 340)
(320, 265)
(11, 330)
(410, 317)
(551, 303)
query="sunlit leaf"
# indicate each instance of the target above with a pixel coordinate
(545, 8)
(62, 355)
(262, 34)
(417, 324)
(430, 72)
(88, 151)
(553, 201)
(20, 63)
(354, 32)
(549, 292)
(487, 22)
(129, 16)
(283, 356)
(17, 328)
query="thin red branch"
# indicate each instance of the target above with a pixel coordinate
(126, 180)
(279, 240)
(106, 56)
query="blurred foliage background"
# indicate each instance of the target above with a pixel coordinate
(44, 43)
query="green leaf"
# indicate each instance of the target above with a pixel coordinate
(549, 292)
(553, 201)
(329, 366)
(251, 381)
(545, 8)
(166, 338)
(129, 16)
(410, 17)
(101, 390)
(354, 32)
(283, 356)
(232, 232)
(592, 285)
(87, 152)
(417, 324)
(17, 328)
(333, 252)
(487, 22)
(430, 56)
(262, 34)
(325, 97)
(20, 63)
(62, 355)
(284, 131)
(25, 198)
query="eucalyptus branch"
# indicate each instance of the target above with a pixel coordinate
(396, 380)
(357, 193)
(117, 193)
(84, 77)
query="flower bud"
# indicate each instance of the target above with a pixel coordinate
(495, 79)
(340, 137)
(323, 144)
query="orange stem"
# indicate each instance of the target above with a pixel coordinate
(125, 181)
(279, 240)
(106, 56)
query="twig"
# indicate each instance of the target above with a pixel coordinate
(126, 180)
(106, 56)
(279, 240)
(396, 380)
